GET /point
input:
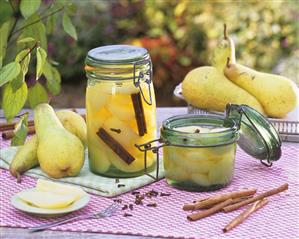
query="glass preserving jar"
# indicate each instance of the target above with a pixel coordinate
(120, 109)
(199, 150)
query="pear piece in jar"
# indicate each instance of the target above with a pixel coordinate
(96, 119)
(136, 166)
(96, 98)
(197, 161)
(121, 106)
(173, 171)
(121, 132)
(98, 158)
(222, 172)
(201, 179)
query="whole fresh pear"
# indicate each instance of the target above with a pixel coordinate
(224, 49)
(25, 158)
(73, 123)
(276, 93)
(207, 88)
(59, 152)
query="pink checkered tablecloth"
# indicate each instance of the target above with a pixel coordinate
(279, 219)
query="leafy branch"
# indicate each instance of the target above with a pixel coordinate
(37, 21)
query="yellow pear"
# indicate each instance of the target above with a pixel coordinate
(276, 93)
(25, 158)
(59, 152)
(224, 49)
(73, 123)
(207, 88)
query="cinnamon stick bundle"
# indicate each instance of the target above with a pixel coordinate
(115, 146)
(245, 214)
(208, 212)
(218, 198)
(139, 113)
(256, 198)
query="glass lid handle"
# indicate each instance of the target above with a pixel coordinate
(146, 77)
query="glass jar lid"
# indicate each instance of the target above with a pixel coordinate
(258, 137)
(116, 54)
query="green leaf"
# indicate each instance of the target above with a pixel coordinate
(17, 82)
(50, 24)
(13, 102)
(71, 9)
(68, 26)
(41, 57)
(20, 131)
(9, 72)
(4, 32)
(26, 40)
(37, 94)
(36, 30)
(24, 57)
(53, 78)
(29, 7)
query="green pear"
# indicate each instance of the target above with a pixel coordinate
(224, 49)
(276, 93)
(207, 88)
(25, 158)
(59, 152)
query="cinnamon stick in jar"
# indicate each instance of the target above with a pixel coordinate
(218, 198)
(208, 212)
(139, 113)
(115, 146)
(239, 219)
(256, 198)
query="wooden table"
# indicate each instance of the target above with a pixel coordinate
(18, 233)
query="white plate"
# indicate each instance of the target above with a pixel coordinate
(23, 206)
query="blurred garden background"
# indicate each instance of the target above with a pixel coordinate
(179, 35)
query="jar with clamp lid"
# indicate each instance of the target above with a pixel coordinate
(199, 150)
(120, 109)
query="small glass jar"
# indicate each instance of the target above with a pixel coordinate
(199, 150)
(120, 109)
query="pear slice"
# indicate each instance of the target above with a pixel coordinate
(59, 188)
(200, 179)
(222, 172)
(46, 200)
(121, 107)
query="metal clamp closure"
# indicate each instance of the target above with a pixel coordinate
(155, 149)
(148, 75)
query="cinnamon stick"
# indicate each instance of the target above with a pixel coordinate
(235, 200)
(11, 126)
(115, 146)
(208, 212)
(10, 133)
(256, 198)
(245, 214)
(218, 198)
(139, 113)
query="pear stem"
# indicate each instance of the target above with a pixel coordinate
(227, 62)
(18, 177)
(225, 31)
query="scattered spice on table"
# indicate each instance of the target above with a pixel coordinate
(125, 207)
(120, 185)
(131, 206)
(127, 215)
(152, 205)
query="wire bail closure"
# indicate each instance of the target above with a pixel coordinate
(266, 162)
(155, 149)
(147, 77)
